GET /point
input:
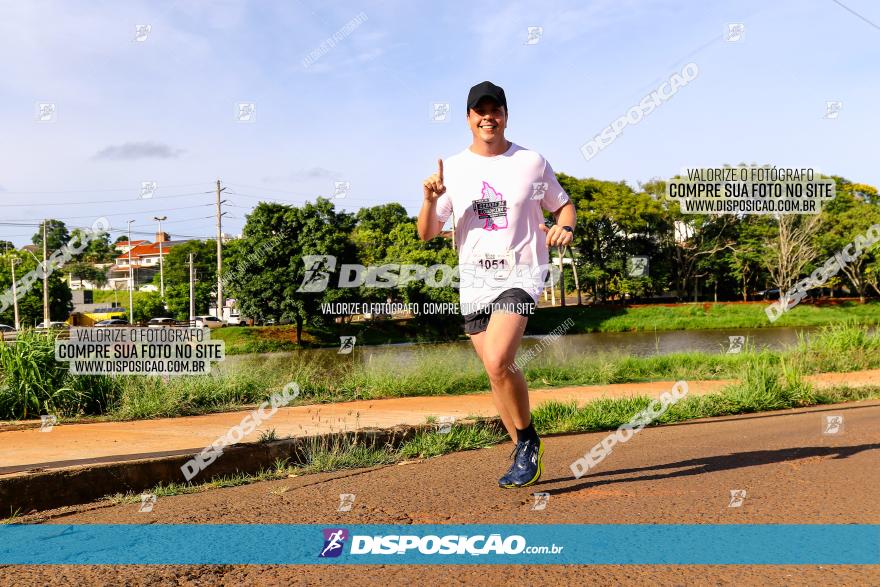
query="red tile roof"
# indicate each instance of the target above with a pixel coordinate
(125, 243)
(142, 250)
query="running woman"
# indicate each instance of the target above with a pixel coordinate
(496, 192)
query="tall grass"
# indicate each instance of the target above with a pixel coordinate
(763, 386)
(154, 397)
(839, 347)
(431, 372)
(31, 382)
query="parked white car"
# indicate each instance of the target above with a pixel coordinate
(208, 322)
(235, 319)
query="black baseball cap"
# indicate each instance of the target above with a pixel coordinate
(486, 90)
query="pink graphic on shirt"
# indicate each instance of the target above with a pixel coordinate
(492, 208)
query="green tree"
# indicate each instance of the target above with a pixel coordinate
(372, 231)
(846, 218)
(408, 249)
(56, 235)
(30, 298)
(83, 271)
(271, 291)
(745, 262)
(615, 223)
(177, 277)
(99, 249)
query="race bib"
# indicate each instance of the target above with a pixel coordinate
(496, 265)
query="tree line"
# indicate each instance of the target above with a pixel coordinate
(691, 257)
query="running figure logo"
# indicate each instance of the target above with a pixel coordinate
(541, 500)
(334, 539)
(492, 208)
(346, 345)
(737, 497)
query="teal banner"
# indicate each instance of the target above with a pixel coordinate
(715, 544)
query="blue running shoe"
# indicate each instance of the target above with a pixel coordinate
(505, 479)
(527, 464)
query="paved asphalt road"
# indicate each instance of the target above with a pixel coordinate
(790, 470)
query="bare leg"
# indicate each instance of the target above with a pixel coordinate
(499, 346)
(506, 418)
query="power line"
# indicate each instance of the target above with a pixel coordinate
(113, 201)
(283, 201)
(123, 213)
(40, 224)
(845, 7)
(125, 189)
(261, 188)
(112, 230)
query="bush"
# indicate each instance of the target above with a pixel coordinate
(150, 306)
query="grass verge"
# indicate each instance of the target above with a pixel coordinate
(764, 387)
(339, 454)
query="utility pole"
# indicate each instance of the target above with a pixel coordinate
(219, 254)
(14, 292)
(45, 280)
(574, 271)
(192, 299)
(130, 279)
(159, 219)
(561, 250)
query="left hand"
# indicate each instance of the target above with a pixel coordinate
(556, 235)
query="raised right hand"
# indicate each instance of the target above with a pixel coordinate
(434, 187)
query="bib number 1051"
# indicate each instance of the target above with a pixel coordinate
(493, 264)
(497, 264)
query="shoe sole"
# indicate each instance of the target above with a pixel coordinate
(537, 476)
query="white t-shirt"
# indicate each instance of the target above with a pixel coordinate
(497, 204)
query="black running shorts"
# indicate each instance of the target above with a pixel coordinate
(514, 300)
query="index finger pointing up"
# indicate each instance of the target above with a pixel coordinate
(440, 168)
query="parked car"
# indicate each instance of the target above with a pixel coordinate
(7, 332)
(208, 322)
(112, 322)
(53, 326)
(161, 322)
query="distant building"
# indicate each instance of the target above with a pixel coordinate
(123, 246)
(144, 262)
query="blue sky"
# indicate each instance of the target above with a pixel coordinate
(164, 109)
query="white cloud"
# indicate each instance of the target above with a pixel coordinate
(138, 150)
(303, 174)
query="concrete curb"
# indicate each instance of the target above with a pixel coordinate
(73, 486)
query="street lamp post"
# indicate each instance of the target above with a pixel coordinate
(130, 279)
(161, 235)
(15, 293)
